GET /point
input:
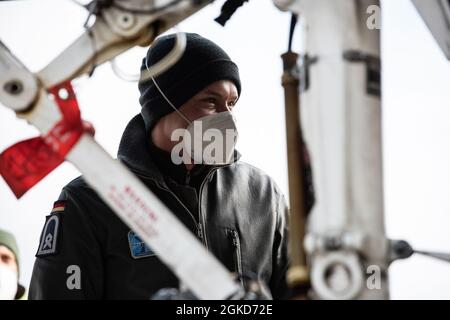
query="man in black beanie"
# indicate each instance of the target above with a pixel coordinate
(234, 209)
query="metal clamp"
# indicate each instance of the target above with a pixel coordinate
(373, 69)
(337, 275)
(337, 272)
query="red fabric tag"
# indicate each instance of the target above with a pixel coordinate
(27, 162)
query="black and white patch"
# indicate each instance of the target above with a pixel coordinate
(49, 237)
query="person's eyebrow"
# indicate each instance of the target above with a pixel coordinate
(217, 94)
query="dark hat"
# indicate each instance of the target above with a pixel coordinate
(202, 63)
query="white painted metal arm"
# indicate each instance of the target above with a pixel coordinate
(114, 32)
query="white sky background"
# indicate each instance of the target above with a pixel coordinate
(415, 104)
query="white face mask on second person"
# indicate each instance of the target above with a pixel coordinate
(210, 139)
(8, 283)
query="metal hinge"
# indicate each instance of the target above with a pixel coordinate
(373, 69)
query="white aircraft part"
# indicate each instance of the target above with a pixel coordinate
(341, 124)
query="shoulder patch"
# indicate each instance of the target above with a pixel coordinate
(49, 236)
(138, 248)
(59, 206)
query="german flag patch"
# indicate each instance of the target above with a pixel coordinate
(59, 206)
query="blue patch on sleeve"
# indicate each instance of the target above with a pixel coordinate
(138, 247)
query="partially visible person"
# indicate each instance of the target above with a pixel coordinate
(10, 289)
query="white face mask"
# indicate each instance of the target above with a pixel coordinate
(211, 139)
(8, 283)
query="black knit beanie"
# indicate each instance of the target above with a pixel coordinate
(202, 63)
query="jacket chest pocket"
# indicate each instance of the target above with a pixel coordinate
(234, 254)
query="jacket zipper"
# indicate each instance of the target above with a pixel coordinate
(201, 226)
(201, 217)
(237, 253)
(197, 224)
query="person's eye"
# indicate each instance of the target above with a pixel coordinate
(210, 103)
(232, 104)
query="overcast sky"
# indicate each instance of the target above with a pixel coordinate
(416, 115)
